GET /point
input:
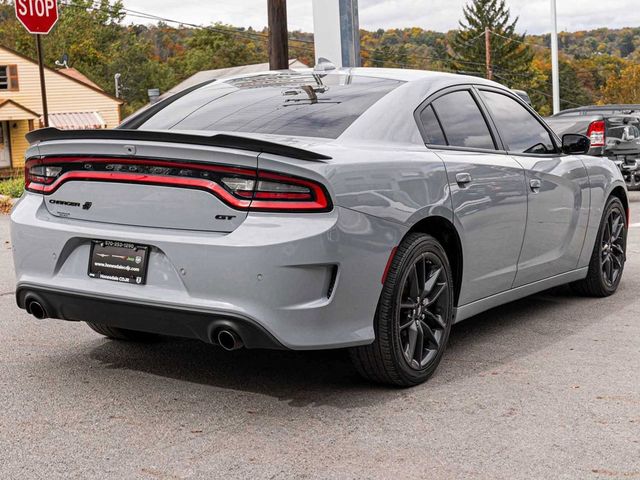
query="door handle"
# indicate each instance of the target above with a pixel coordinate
(463, 178)
(535, 185)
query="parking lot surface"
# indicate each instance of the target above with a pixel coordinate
(546, 387)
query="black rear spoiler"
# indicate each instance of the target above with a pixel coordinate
(218, 140)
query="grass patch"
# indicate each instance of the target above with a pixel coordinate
(12, 187)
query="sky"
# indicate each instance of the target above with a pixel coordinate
(438, 15)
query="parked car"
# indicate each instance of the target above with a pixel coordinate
(260, 211)
(614, 131)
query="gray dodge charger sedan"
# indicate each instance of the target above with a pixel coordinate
(363, 208)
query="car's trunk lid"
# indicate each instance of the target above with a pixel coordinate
(136, 193)
(178, 180)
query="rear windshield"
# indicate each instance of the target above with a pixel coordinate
(307, 105)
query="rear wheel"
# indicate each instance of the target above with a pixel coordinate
(609, 253)
(122, 333)
(414, 316)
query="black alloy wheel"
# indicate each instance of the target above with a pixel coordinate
(422, 309)
(414, 316)
(612, 247)
(609, 253)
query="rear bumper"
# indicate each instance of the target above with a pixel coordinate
(144, 317)
(307, 281)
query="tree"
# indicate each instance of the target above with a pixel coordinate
(623, 88)
(509, 56)
(219, 46)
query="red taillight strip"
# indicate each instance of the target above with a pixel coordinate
(129, 161)
(318, 200)
(199, 183)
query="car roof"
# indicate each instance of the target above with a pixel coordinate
(386, 120)
(399, 74)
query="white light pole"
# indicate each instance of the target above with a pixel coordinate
(555, 69)
(336, 32)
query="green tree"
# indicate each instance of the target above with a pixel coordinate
(218, 47)
(509, 56)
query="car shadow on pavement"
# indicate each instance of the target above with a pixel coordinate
(477, 346)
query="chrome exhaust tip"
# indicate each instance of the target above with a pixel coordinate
(229, 340)
(36, 309)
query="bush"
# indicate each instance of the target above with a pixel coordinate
(12, 187)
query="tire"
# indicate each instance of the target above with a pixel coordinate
(402, 320)
(598, 283)
(123, 334)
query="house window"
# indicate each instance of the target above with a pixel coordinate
(8, 77)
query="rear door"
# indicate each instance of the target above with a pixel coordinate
(487, 190)
(147, 184)
(557, 187)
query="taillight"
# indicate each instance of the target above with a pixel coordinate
(596, 133)
(239, 187)
(40, 174)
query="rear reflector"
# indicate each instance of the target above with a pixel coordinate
(388, 266)
(596, 133)
(239, 187)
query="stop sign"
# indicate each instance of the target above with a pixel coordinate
(37, 16)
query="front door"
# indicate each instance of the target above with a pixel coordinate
(5, 152)
(558, 190)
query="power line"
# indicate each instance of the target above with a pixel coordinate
(541, 92)
(375, 56)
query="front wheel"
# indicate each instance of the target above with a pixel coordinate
(414, 316)
(609, 253)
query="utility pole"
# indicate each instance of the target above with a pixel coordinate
(555, 69)
(487, 52)
(278, 35)
(43, 88)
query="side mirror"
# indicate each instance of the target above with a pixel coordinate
(574, 144)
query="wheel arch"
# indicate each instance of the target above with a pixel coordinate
(620, 193)
(445, 232)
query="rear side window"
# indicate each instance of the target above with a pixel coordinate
(432, 129)
(462, 121)
(519, 130)
(300, 104)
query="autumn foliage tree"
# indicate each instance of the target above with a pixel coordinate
(596, 66)
(623, 88)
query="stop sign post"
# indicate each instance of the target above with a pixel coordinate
(38, 17)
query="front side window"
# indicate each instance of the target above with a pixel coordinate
(462, 122)
(519, 130)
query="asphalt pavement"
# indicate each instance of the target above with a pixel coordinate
(544, 388)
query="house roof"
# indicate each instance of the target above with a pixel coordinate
(76, 120)
(12, 110)
(57, 72)
(208, 75)
(77, 75)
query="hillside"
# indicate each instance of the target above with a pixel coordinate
(100, 44)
